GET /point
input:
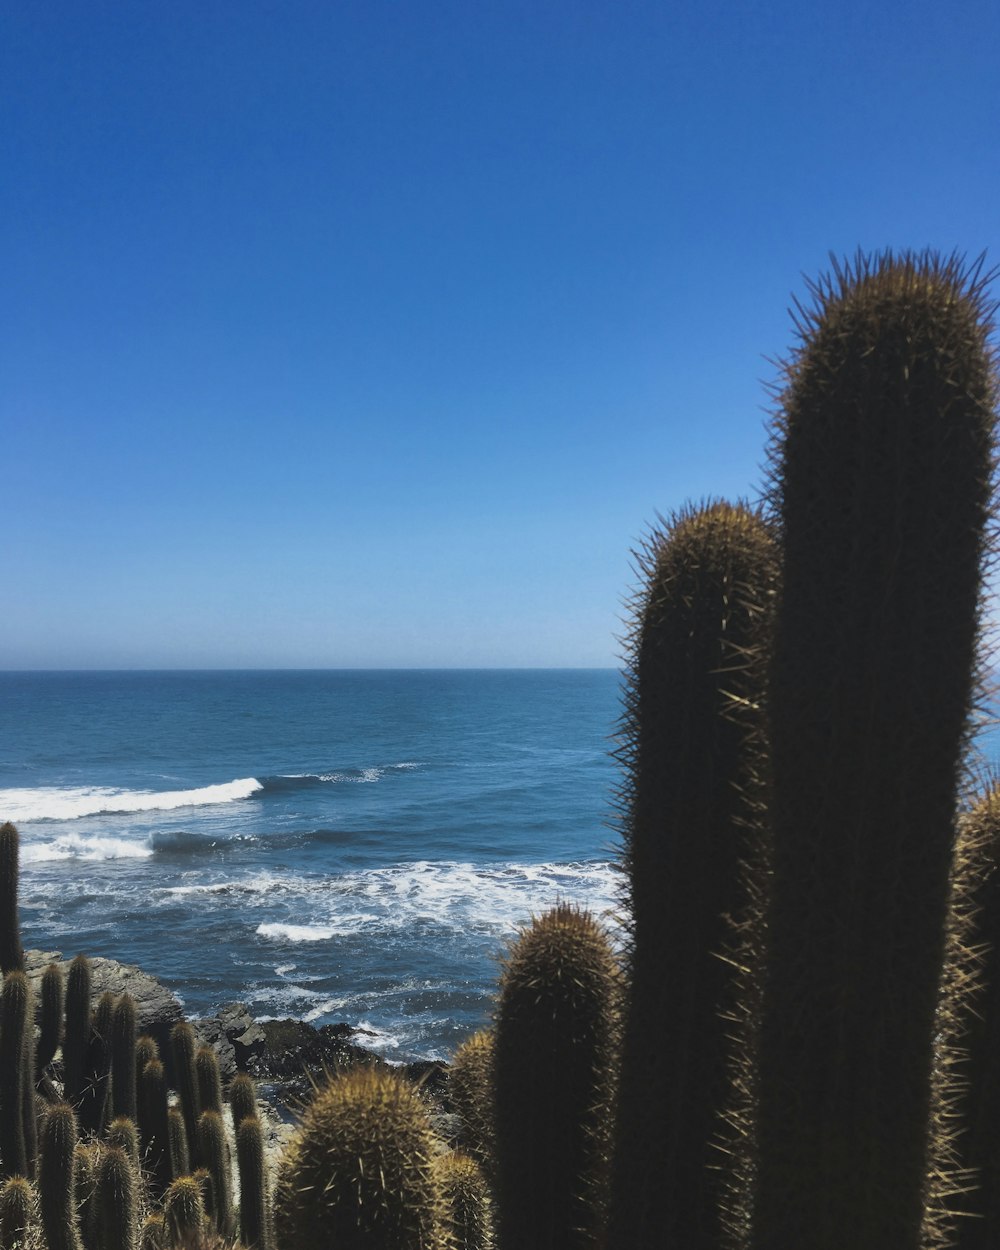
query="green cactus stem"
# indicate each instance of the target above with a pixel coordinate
(469, 1211)
(214, 1150)
(242, 1098)
(182, 1045)
(16, 1006)
(94, 1099)
(154, 1126)
(16, 1203)
(470, 1088)
(180, 1152)
(883, 470)
(692, 749)
(359, 1173)
(76, 1035)
(123, 1043)
(206, 1065)
(117, 1200)
(11, 952)
(184, 1212)
(57, 1179)
(253, 1184)
(50, 1036)
(558, 1004)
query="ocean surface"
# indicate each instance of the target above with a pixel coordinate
(336, 846)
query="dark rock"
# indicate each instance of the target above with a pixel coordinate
(157, 1009)
(234, 1036)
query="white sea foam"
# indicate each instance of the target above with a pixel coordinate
(76, 846)
(72, 802)
(460, 898)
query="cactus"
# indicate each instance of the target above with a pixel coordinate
(692, 745)
(968, 1077)
(882, 484)
(183, 1213)
(154, 1127)
(180, 1152)
(50, 1036)
(470, 1088)
(183, 1047)
(123, 1135)
(57, 1179)
(153, 1234)
(16, 1000)
(11, 952)
(558, 1004)
(123, 1042)
(214, 1151)
(97, 1070)
(76, 1035)
(469, 1214)
(253, 1184)
(117, 1200)
(242, 1098)
(359, 1173)
(15, 1213)
(88, 1161)
(206, 1065)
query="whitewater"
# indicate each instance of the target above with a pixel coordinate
(331, 846)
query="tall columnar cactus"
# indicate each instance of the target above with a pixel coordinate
(242, 1098)
(76, 1034)
(182, 1045)
(359, 1174)
(123, 1135)
(11, 953)
(15, 1000)
(214, 1153)
(117, 1200)
(180, 1153)
(97, 1069)
(470, 1088)
(206, 1065)
(57, 1179)
(183, 1213)
(16, 1203)
(883, 465)
(123, 1039)
(555, 1055)
(693, 845)
(969, 1029)
(469, 1209)
(50, 1035)
(154, 1125)
(254, 1228)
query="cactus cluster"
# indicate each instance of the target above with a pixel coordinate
(799, 1044)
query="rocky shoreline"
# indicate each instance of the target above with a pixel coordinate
(287, 1058)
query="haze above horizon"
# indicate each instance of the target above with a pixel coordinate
(376, 336)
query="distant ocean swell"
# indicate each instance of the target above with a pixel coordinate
(73, 802)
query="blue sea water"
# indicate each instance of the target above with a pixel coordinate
(334, 845)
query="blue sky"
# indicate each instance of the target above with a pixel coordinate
(376, 334)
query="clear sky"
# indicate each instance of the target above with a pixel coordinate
(359, 333)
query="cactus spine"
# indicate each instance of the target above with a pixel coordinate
(691, 747)
(15, 1213)
(154, 1126)
(57, 1179)
(470, 1088)
(253, 1184)
(76, 1036)
(11, 953)
(214, 1151)
(209, 1079)
(359, 1173)
(97, 1072)
(117, 1200)
(16, 998)
(50, 1036)
(242, 1098)
(882, 485)
(469, 1213)
(123, 1080)
(182, 1047)
(558, 1003)
(184, 1212)
(180, 1154)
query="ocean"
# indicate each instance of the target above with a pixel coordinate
(332, 845)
